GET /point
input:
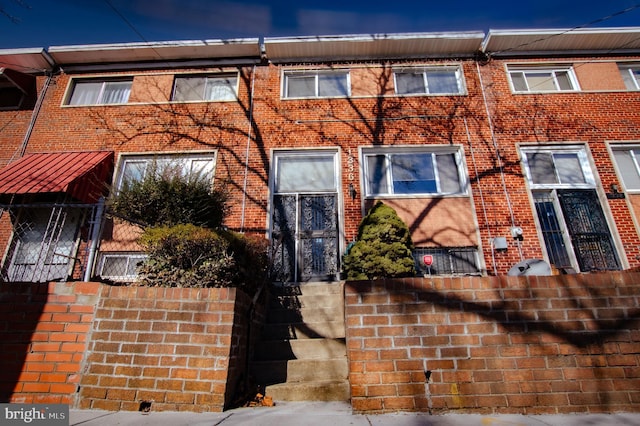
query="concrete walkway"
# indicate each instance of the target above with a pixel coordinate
(336, 414)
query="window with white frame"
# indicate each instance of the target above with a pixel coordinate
(542, 78)
(205, 88)
(136, 167)
(120, 267)
(444, 80)
(316, 84)
(630, 75)
(413, 171)
(100, 91)
(628, 162)
(560, 167)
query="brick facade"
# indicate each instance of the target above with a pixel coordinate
(487, 121)
(530, 345)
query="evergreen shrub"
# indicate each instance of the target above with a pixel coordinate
(382, 249)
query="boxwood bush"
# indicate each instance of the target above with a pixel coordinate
(382, 249)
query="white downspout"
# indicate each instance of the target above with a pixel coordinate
(246, 155)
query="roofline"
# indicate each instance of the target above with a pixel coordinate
(547, 33)
(538, 42)
(373, 37)
(150, 45)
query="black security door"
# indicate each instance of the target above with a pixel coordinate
(305, 237)
(588, 230)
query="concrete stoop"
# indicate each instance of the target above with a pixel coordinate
(302, 355)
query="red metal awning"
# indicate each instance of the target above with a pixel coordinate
(83, 175)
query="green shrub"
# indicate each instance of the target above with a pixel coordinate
(382, 249)
(169, 198)
(187, 255)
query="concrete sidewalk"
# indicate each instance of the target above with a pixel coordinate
(337, 414)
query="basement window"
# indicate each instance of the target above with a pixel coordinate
(448, 260)
(120, 267)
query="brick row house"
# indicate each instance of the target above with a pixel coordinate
(502, 151)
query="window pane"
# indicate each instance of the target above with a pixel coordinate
(442, 82)
(116, 92)
(301, 86)
(541, 168)
(85, 93)
(202, 169)
(189, 89)
(297, 174)
(519, 82)
(631, 77)
(332, 85)
(564, 82)
(407, 83)
(628, 169)
(448, 173)
(221, 89)
(413, 174)
(377, 174)
(133, 171)
(568, 168)
(541, 81)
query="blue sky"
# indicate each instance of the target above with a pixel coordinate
(42, 23)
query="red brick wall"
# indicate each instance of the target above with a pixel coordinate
(533, 345)
(175, 348)
(97, 346)
(44, 329)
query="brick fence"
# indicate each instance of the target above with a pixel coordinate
(533, 345)
(43, 335)
(117, 348)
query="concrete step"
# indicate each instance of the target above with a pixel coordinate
(299, 370)
(330, 390)
(300, 349)
(301, 302)
(315, 314)
(307, 289)
(333, 329)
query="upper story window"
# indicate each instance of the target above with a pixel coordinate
(205, 88)
(100, 91)
(628, 161)
(135, 168)
(432, 80)
(316, 84)
(562, 167)
(630, 75)
(413, 171)
(542, 79)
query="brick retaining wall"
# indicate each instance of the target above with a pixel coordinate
(532, 345)
(43, 334)
(97, 346)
